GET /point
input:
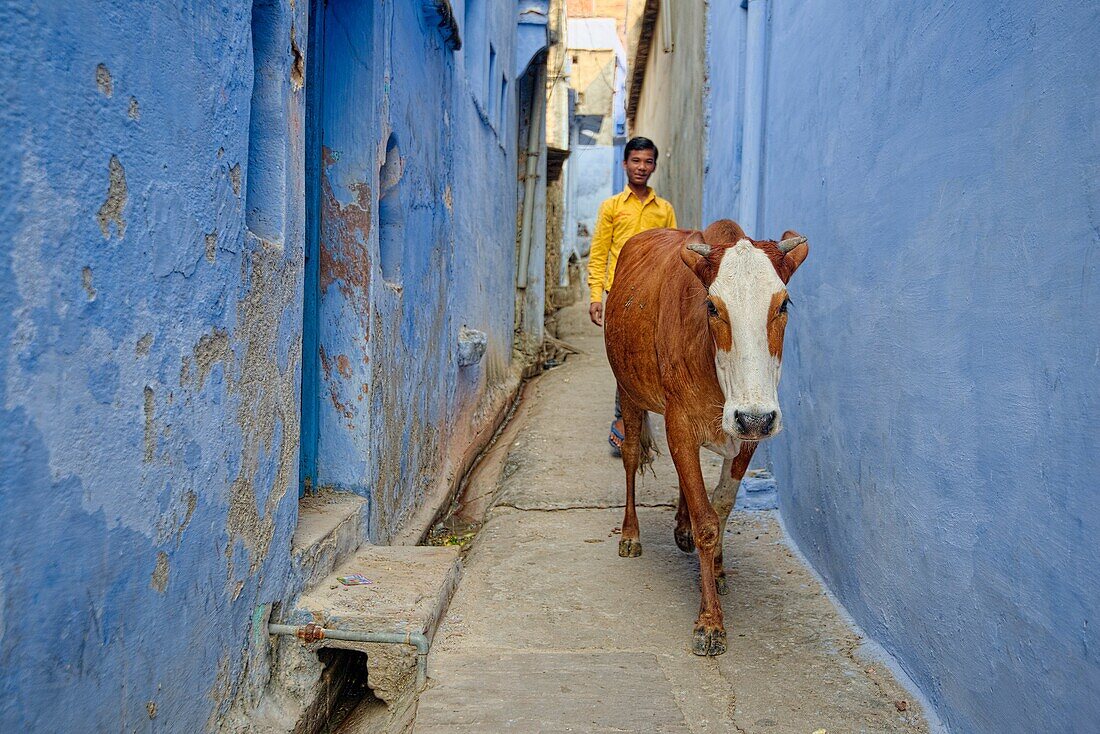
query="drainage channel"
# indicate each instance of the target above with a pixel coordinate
(459, 524)
(314, 633)
(344, 698)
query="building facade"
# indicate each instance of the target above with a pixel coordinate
(597, 76)
(257, 249)
(668, 62)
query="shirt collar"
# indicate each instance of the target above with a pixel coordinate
(649, 196)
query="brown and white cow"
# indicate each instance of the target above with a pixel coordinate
(694, 330)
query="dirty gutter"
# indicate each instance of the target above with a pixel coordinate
(314, 633)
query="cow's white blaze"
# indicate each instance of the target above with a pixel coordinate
(748, 373)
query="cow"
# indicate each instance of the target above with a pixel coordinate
(694, 330)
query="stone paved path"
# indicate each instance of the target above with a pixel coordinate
(550, 631)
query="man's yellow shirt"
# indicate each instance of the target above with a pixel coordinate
(620, 218)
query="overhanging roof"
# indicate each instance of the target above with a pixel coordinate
(641, 57)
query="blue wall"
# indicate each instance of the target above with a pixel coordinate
(151, 362)
(940, 462)
(394, 413)
(152, 313)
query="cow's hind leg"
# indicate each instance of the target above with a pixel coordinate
(682, 532)
(630, 545)
(709, 634)
(723, 499)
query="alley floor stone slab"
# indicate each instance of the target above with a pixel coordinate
(571, 696)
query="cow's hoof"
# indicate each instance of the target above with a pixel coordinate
(721, 585)
(709, 642)
(630, 548)
(684, 541)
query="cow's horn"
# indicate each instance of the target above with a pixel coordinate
(789, 244)
(700, 247)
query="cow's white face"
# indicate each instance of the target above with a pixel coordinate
(746, 305)
(747, 312)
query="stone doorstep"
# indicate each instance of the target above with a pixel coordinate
(330, 528)
(410, 589)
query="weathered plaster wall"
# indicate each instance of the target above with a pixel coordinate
(393, 394)
(723, 110)
(385, 333)
(483, 269)
(940, 458)
(559, 128)
(678, 74)
(151, 361)
(531, 301)
(592, 172)
(593, 76)
(153, 312)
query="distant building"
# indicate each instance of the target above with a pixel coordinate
(597, 76)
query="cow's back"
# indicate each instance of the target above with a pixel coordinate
(655, 327)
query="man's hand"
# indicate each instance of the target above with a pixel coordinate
(595, 312)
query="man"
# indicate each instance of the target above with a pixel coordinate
(624, 215)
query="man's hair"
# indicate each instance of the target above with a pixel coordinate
(639, 144)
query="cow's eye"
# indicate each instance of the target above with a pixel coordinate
(711, 309)
(783, 308)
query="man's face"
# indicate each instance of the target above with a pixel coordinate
(639, 166)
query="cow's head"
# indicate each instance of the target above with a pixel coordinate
(747, 306)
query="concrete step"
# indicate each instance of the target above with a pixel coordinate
(410, 589)
(330, 528)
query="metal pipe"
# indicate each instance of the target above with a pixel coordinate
(314, 633)
(534, 145)
(756, 30)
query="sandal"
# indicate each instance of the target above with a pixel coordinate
(616, 437)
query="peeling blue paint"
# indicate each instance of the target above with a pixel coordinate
(114, 503)
(153, 312)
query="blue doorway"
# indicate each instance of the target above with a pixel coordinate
(341, 171)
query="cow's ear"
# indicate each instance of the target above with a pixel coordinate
(696, 254)
(795, 257)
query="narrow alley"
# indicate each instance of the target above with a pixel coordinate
(307, 409)
(551, 631)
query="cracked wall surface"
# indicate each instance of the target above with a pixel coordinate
(394, 409)
(148, 388)
(153, 317)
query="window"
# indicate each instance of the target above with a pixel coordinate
(489, 97)
(391, 214)
(265, 177)
(475, 39)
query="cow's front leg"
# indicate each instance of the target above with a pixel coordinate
(709, 635)
(736, 462)
(722, 499)
(630, 545)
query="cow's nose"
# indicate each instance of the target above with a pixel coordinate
(754, 424)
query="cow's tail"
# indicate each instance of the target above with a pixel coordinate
(649, 446)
